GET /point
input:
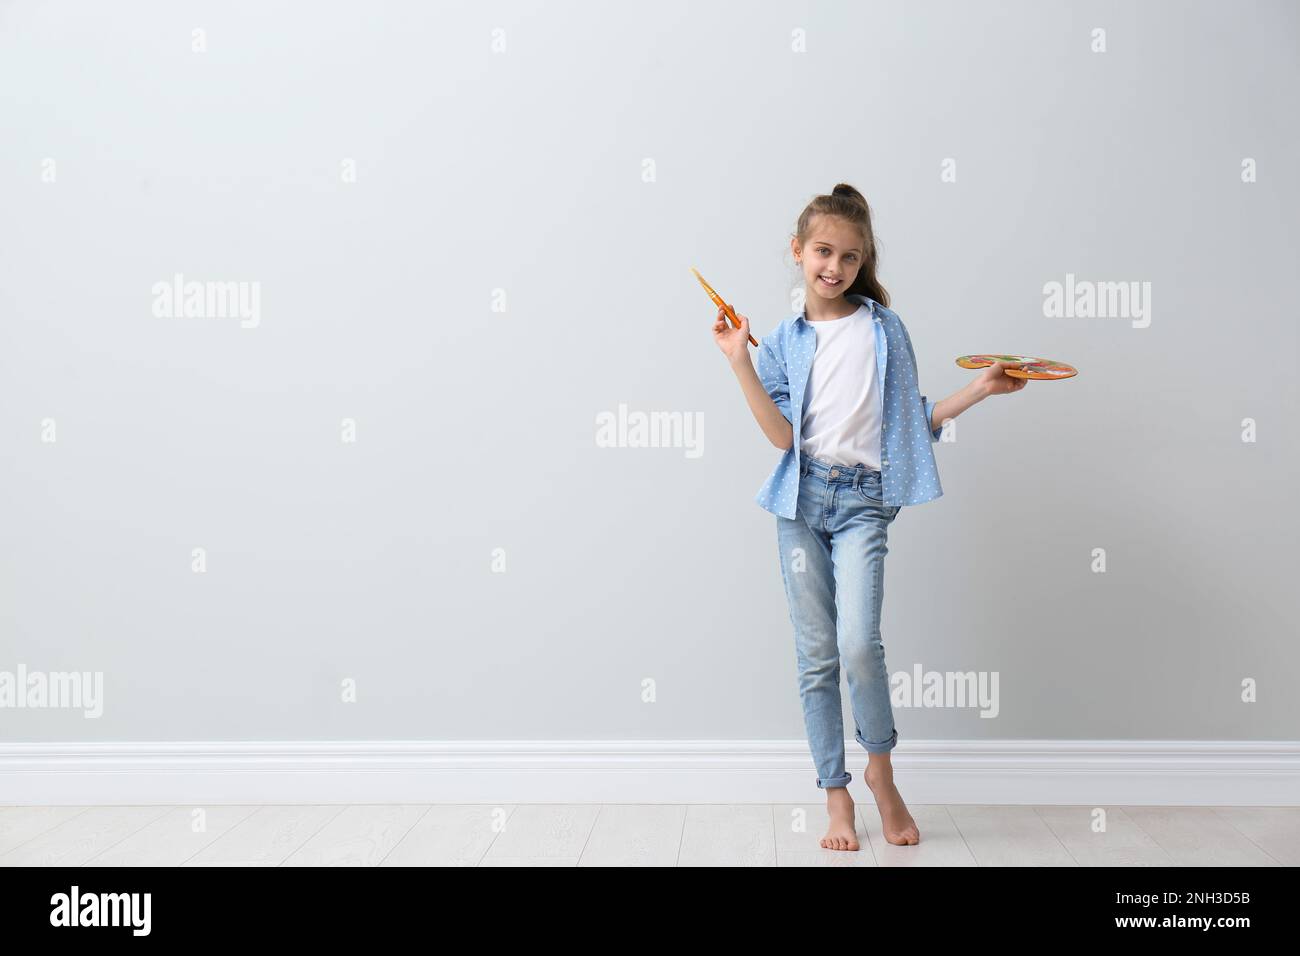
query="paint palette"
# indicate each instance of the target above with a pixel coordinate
(1037, 368)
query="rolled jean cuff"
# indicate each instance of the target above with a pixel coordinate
(842, 781)
(883, 747)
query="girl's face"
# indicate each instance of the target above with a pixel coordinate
(833, 252)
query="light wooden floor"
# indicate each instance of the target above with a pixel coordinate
(639, 835)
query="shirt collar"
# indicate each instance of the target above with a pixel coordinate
(870, 303)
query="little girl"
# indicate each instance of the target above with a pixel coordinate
(836, 389)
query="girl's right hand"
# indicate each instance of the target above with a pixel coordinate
(733, 342)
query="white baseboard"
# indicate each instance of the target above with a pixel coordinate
(1069, 772)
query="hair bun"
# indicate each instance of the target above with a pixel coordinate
(846, 191)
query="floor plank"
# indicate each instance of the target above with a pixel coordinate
(266, 837)
(728, 835)
(628, 834)
(172, 839)
(1008, 836)
(1198, 836)
(82, 836)
(20, 824)
(1122, 843)
(1275, 830)
(450, 835)
(359, 836)
(640, 835)
(544, 830)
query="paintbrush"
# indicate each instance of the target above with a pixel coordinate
(727, 310)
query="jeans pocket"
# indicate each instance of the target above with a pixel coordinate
(870, 491)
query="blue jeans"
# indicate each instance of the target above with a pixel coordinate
(833, 565)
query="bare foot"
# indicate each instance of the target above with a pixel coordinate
(896, 823)
(842, 833)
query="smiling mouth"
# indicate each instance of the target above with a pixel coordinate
(828, 283)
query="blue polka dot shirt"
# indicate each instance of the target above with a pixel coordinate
(908, 473)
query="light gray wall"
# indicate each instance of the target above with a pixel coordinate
(524, 171)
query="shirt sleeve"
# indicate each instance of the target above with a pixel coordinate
(772, 373)
(936, 431)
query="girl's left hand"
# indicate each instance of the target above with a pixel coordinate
(996, 382)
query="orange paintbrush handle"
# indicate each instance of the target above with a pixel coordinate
(730, 313)
(727, 310)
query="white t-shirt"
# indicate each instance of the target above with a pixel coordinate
(842, 415)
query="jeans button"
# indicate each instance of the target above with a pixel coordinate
(834, 472)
